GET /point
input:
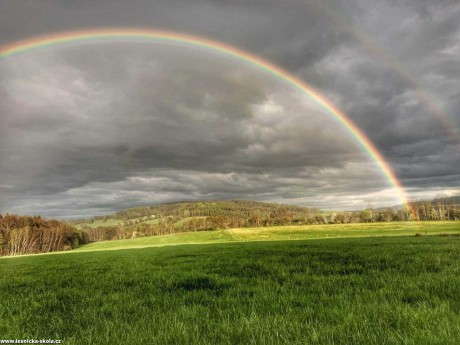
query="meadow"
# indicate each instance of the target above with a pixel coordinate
(390, 289)
(301, 232)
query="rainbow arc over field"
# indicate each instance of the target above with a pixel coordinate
(159, 36)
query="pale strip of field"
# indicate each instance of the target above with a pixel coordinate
(303, 232)
(345, 230)
(219, 236)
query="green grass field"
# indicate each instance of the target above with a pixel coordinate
(376, 290)
(283, 233)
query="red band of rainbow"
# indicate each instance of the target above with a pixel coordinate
(203, 43)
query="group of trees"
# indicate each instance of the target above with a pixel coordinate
(235, 208)
(241, 213)
(110, 233)
(223, 218)
(28, 235)
(438, 209)
(422, 210)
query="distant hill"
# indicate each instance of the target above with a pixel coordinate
(453, 200)
(209, 208)
(187, 216)
(190, 209)
(448, 201)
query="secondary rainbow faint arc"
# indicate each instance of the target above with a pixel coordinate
(219, 47)
(382, 54)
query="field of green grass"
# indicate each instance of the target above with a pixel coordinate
(345, 230)
(199, 237)
(376, 290)
(283, 233)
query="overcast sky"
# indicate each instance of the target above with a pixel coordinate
(91, 128)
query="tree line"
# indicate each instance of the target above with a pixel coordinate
(29, 235)
(270, 216)
(438, 209)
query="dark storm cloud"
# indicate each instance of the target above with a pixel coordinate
(159, 113)
(292, 33)
(90, 129)
(405, 125)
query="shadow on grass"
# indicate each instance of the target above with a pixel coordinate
(198, 283)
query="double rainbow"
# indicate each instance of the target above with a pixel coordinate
(226, 50)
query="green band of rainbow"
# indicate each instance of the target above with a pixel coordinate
(278, 72)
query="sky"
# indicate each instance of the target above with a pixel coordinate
(90, 128)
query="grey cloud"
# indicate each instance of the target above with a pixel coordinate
(79, 124)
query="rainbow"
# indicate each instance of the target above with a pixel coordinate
(226, 50)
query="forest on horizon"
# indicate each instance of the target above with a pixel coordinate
(34, 234)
